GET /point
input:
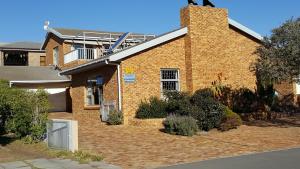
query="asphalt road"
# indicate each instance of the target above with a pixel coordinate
(285, 159)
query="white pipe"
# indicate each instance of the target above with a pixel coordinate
(119, 84)
(119, 87)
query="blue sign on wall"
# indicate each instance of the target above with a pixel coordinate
(129, 78)
(99, 81)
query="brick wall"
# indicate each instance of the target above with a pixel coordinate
(34, 58)
(78, 91)
(146, 66)
(213, 47)
(54, 41)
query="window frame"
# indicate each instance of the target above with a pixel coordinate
(169, 80)
(55, 57)
(100, 93)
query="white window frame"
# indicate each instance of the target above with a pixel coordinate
(168, 80)
(298, 86)
(55, 55)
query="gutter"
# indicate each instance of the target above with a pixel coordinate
(37, 81)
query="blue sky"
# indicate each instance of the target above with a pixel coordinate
(22, 20)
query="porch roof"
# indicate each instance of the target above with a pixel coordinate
(29, 74)
(25, 46)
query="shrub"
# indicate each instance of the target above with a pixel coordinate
(244, 101)
(22, 112)
(179, 103)
(180, 125)
(115, 118)
(155, 108)
(230, 121)
(210, 112)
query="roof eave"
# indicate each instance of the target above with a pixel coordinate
(245, 29)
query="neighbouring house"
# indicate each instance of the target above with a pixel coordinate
(70, 47)
(22, 54)
(289, 92)
(23, 64)
(207, 43)
(40, 77)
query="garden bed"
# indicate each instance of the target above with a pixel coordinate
(263, 116)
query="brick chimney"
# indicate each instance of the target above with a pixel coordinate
(205, 44)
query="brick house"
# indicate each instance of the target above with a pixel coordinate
(186, 59)
(22, 54)
(68, 47)
(23, 64)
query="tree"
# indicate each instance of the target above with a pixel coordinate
(279, 54)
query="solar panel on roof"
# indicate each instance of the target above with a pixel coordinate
(119, 42)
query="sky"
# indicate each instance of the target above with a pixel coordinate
(22, 20)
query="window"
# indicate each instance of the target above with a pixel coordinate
(298, 86)
(15, 58)
(94, 93)
(42, 60)
(169, 80)
(55, 55)
(76, 46)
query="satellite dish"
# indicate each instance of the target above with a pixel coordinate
(46, 24)
(192, 2)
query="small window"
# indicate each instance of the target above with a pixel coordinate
(55, 55)
(298, 86)
(42, 60)
(94, 93)
(169, 80)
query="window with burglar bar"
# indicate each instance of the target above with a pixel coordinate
(169, 80)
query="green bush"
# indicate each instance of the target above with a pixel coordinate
(180, 125)
(179, 103)
(155, 108)
(210, 112)
(115, 118)
(22, 112)
(230, 121)
(244, 101)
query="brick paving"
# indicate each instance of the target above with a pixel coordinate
(132, 147)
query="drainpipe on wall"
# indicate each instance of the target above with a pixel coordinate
(119, 84)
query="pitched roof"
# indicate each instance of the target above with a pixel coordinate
(29, 73)
(117, 56)
(21, 45)
(114, 57)
(244, 29)
(91, 35)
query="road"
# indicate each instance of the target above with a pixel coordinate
(285, 159)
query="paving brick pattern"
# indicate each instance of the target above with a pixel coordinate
(55, 164)
(132, 147)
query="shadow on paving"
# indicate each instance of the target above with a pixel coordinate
(292, 121)
(5, 140)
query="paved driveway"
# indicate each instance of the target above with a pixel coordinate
(286, 159)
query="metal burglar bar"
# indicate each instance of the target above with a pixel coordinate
(169, 80)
